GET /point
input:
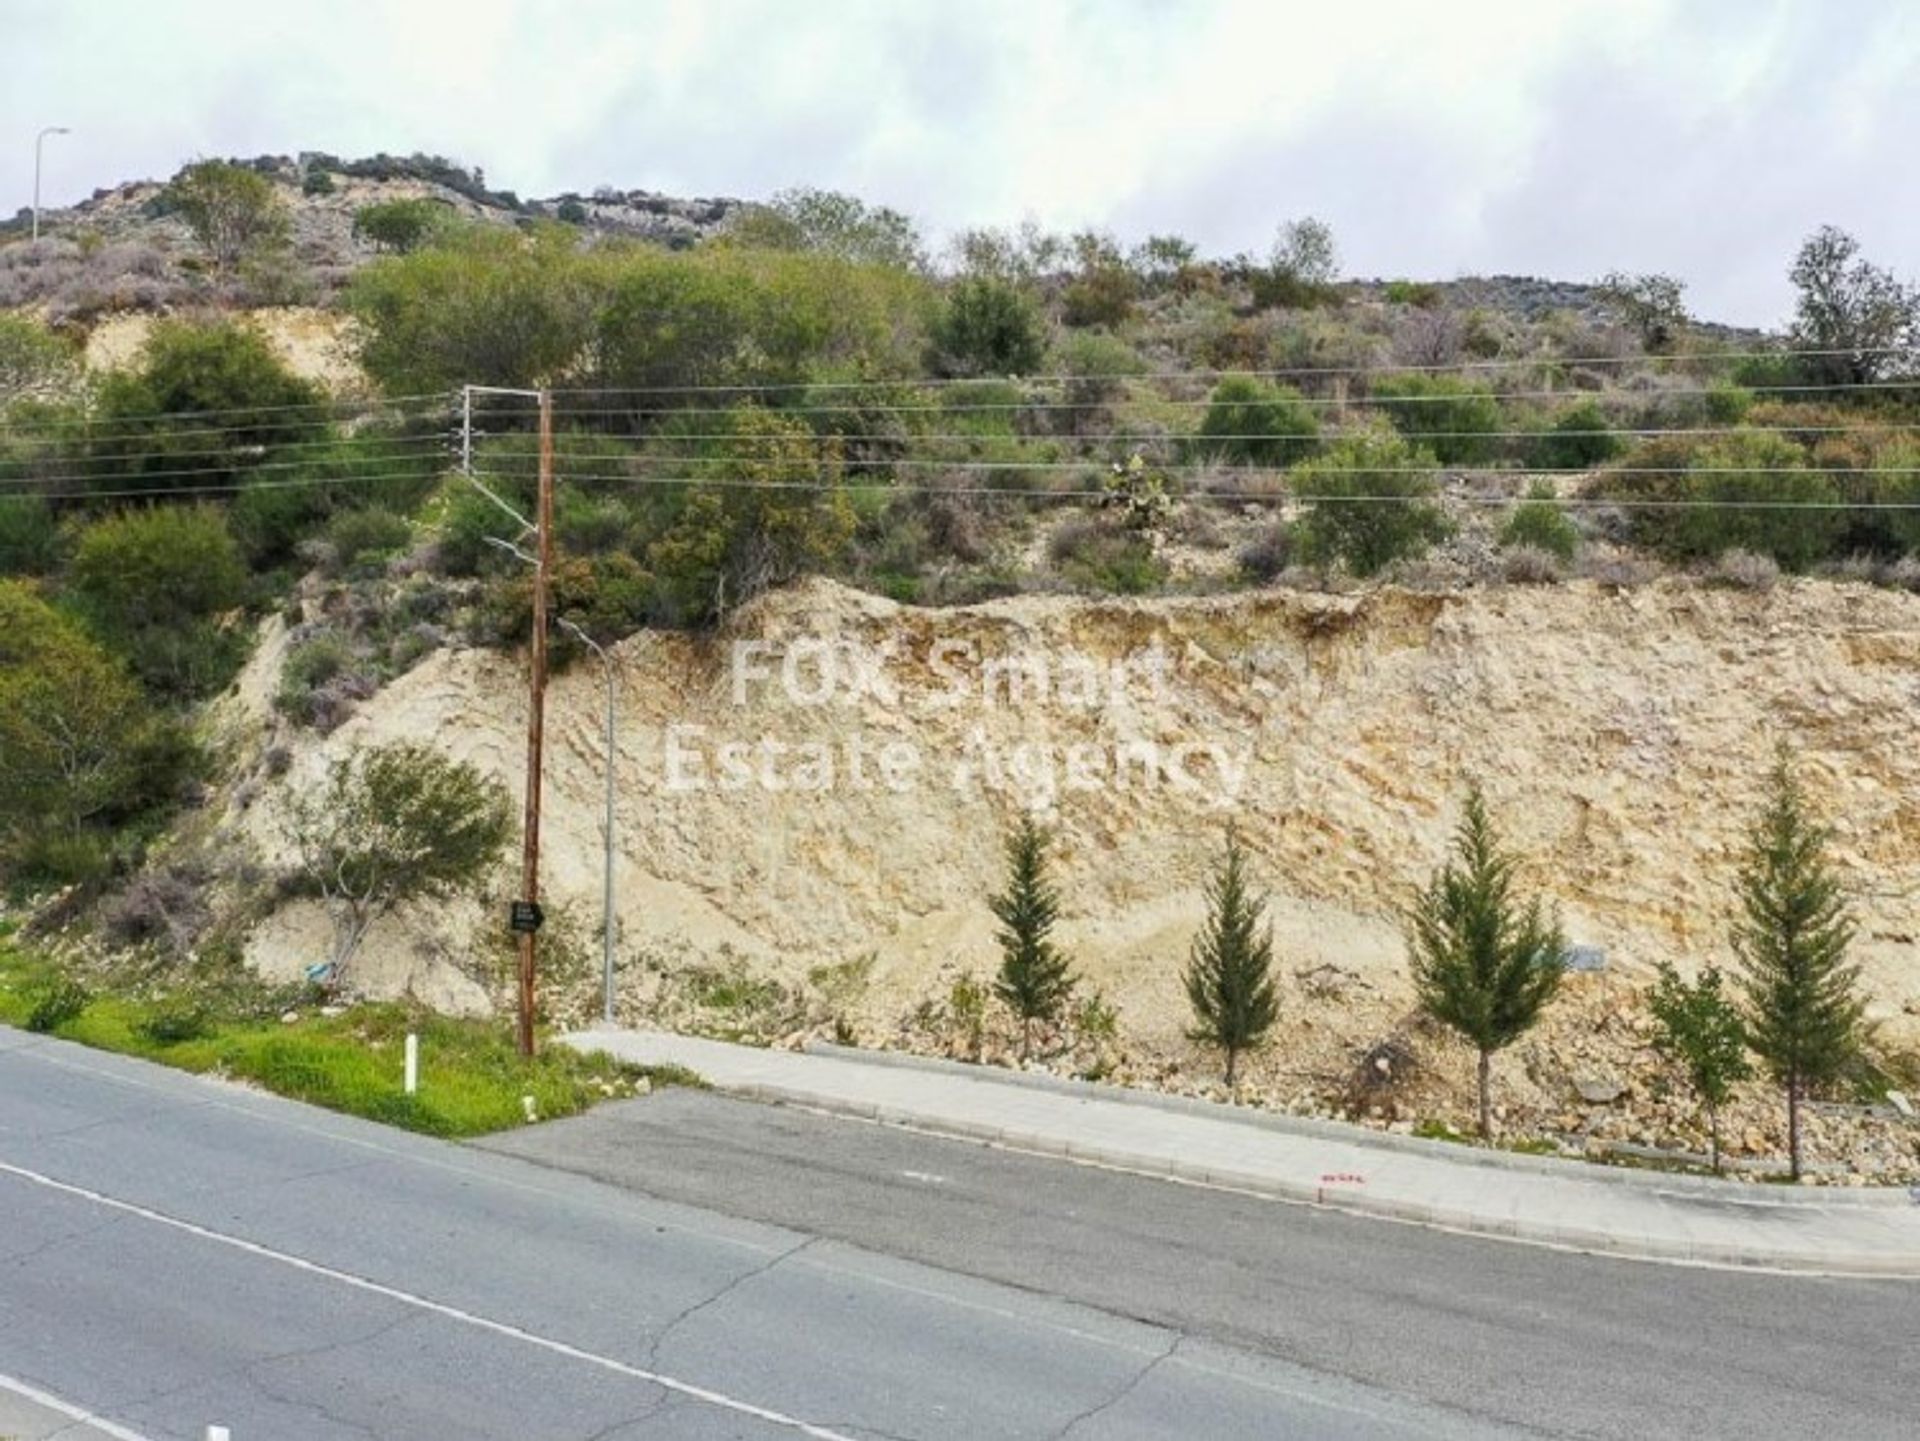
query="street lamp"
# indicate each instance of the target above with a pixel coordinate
(39, 141)
(606, 826)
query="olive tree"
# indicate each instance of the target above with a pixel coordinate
(391, 824)
(1859, 316)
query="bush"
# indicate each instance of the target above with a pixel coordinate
(1580, 439)
(987, 327)
(1540, 523)
(1268, 554)
(1249, 422)
(1369, 503)
(152, 583)
(56, 1003)
(1743, 570)
(151, 434)
(1098, 367)
(1097, 555)
(1770, 476)
(1457, 420)
(785, 515)
(30, 541)
(371, 535)
(35, 364)
(401, 226)
(1530, 565)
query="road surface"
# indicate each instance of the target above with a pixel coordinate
(1567, 1344)
(176, 1253)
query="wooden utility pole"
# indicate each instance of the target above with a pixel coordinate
(536, 724)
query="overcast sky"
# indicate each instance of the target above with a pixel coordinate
(1546, 137)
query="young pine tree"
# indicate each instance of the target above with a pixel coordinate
(1483, 964)
(1704, 1031)
(1035, 977)
(1791, 938)
(1230, 974)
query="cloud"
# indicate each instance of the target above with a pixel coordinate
(1484, 135)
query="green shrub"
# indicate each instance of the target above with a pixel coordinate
(1540, 521)
(1097, 367)
(150, 420)
(1581, 438)
(402, 226)
(1369, 502)
(1768, 476)
(1456, 420)
(371, 535)
(29, 536)
(1728, 404)
(317, 182)
(1249, 422)
(152, 582)
(1098, 556)
(987, 327)
(784, 514)
(177, 1022)
(82, 751)
(1421, 294)
(57, 1003)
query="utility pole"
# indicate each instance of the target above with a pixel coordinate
(39, 141)
(536, 723)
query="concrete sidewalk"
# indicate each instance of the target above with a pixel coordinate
(1644, 1215)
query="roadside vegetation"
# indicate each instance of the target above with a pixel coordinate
(291, 1042)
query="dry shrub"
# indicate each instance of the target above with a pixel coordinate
(1745, 570)
(1530, 565)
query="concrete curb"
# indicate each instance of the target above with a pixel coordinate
(1895, 1265)
(1690, 1187)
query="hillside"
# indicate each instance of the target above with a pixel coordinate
(1146, 542)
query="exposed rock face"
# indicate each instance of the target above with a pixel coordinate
(1622, 737)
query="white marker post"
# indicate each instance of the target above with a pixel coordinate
(413, 1075)
(217, 1433)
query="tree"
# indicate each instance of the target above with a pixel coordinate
(1702, 1030)
(392, 824)
(1229, 976)
(1305, 252)
(1249, 422)
(1579, 439)
(402, 226)
(231, 210)
(152, 583)
(1854, 310)
(1791, 938)
(987, 327)
(79, 748)
(1301, 268)
(832, 223)
(1483, 963)
(151, 419)
(486, 306)
(1369, 502)
(1035, 978)
(1652, 306)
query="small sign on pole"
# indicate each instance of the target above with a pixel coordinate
(525, 917)
(413, 1063)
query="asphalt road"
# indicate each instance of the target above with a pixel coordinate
(176, 1253)
(1562, 1343)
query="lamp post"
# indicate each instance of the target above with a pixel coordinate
(606, 827)
(39, 142)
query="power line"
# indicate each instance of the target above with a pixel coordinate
(1218, 374)
(1337, 402)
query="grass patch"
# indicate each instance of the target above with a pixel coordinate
(472, 1079)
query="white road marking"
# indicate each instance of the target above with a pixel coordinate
(79, 1415)
(422, 1303)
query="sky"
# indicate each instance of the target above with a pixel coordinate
(1558, 138)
